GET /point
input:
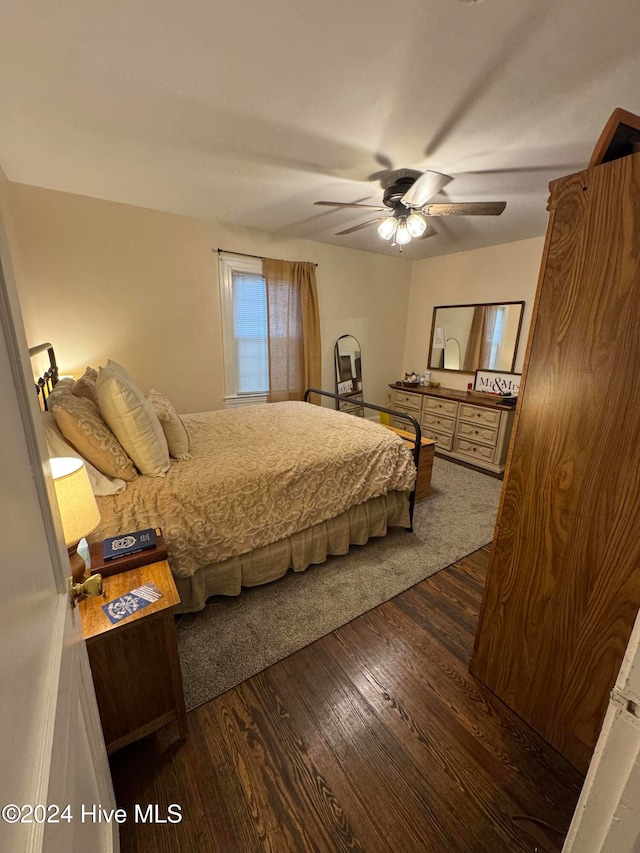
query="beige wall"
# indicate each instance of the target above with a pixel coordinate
(498, 273)
(106, 280)
(9, 231)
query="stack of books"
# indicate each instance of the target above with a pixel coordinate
(127, 551)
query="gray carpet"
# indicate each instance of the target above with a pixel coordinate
(235, 638)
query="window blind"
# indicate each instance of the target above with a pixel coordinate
(250, 333)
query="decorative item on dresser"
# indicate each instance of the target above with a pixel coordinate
(471, 429)
(563, 588)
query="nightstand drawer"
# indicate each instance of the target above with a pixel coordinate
(475, 451)
(478, 432)
(404, 400)
(445, 407)
(491, 417)
(436, 421)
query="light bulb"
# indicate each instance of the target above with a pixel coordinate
(402, 232)
(387, 227)
(417, 225)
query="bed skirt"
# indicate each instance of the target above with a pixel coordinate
(307, 547)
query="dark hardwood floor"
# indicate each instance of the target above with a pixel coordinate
(375, 738)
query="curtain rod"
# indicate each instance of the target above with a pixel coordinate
(245, 255)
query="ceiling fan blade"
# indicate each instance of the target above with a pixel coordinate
(465, 208)
(350, 204)
(427, 185)
(358, 227)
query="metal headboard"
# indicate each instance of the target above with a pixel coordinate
(49, 378)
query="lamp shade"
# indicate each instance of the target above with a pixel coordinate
(387, 227)
(416, 224)
(78, 509)
(402, 232)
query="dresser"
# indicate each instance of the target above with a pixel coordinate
(464, 427)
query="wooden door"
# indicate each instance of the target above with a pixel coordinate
(564, 582)
(53, 753)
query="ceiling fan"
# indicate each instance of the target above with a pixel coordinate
(406, 196)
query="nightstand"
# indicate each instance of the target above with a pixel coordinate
(135, 664)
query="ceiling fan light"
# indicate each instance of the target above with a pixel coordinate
(403, 235)
(416, 224)
(387, 227)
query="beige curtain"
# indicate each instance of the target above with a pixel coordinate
(293, 328)
(478, 353)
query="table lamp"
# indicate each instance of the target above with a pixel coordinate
(77, 505)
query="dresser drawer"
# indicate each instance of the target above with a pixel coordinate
(405, 400)
(400, 423)
(444, 440)
(479, 415)
(445, 407)
(475, 451)
(350, 409)
(434, 420)
(478, 432)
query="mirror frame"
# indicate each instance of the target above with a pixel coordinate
(336, 360)
(511, 369)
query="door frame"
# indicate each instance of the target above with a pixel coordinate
(54, 697)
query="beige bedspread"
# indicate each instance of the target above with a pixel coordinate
(259, 474)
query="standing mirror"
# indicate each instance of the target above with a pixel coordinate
(348, 362)
(484, 336)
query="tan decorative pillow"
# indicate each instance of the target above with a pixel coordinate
(86, 385)
(132, 419)
(58, 446)
(81, 423)
(174, 429)
(61, 387)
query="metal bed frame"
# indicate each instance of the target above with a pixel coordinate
(394, 413)
(49, 378)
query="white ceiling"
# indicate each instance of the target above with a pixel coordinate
(249, 111)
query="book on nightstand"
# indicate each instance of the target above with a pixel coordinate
(127, 561)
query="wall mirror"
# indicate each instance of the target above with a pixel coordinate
(348, 362)
(484, 336)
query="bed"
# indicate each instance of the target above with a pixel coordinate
(265, 489)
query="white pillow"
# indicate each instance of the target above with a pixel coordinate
(132, 420)
(100, 484)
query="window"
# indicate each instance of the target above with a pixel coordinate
(244, 325)
(496, 337)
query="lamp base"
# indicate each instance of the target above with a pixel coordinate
(78, 567)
